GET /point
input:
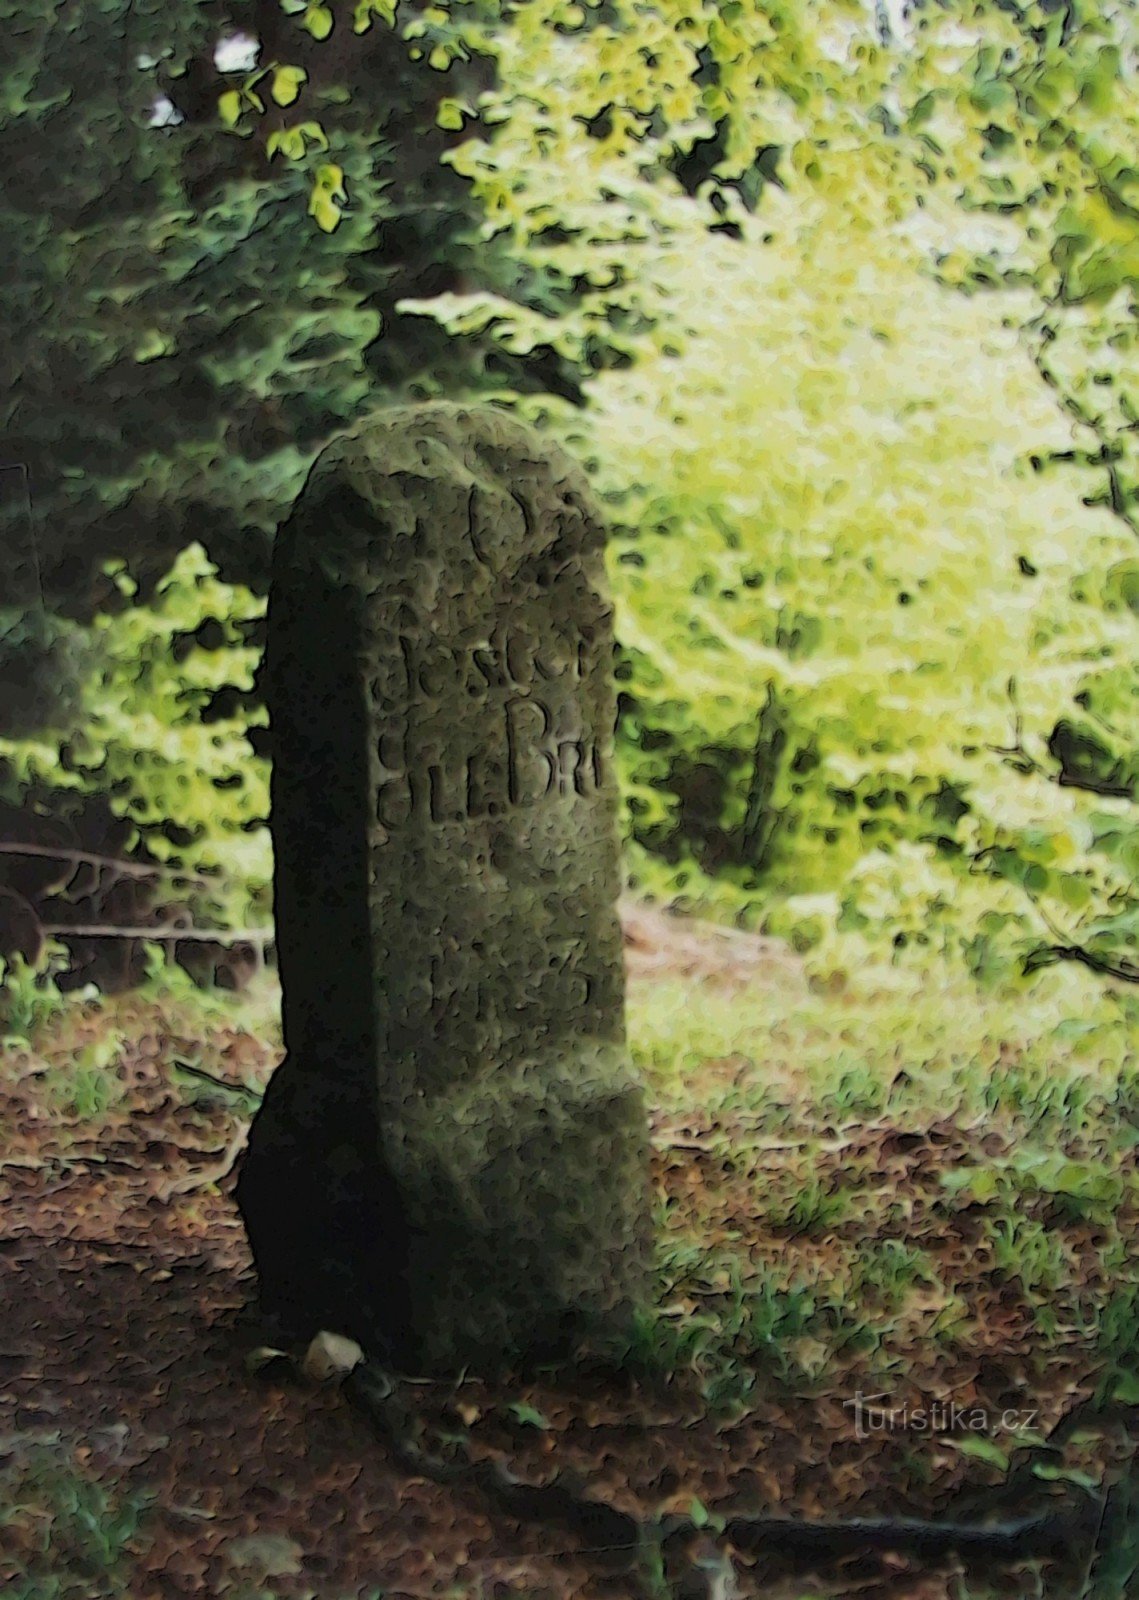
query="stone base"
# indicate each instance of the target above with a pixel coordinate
(525, 1195)
(504, 1221)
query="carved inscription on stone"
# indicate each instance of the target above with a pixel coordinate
(522, 743)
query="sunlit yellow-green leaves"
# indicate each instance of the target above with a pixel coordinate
(234, 102)
(584, 93)
(826, 496)
(328, 197)
(453, 113)
(318, 20)
(365, 12)
(286, 84)
(295, 143)
(156, 667)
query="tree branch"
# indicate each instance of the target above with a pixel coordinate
(1107, 455)
(172, 932)
(1050, 955)
(128, 869)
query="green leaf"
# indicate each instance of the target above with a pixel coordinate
(286, 84)
(1051, 1474)
(1125, 1389)
(325, 211)
(451, 114)
(328, 193)
(293, 143)
(331, 177)
(289, 141)
(229, 107)
(367, 9)
(153, 345)
(529, 1416)
(318, 21)
(981, 1184)
(314, 131)
(981, 1448)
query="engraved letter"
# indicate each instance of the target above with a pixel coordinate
(532, 769)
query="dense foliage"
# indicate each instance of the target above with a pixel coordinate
(850, 293)
(843, 590)
(180, 339)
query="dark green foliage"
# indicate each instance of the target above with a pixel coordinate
(179, 337)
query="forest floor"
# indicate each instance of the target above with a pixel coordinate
(888, 1196)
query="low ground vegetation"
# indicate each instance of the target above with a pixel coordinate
(895, 1197)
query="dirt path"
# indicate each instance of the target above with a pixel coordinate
(123, 1334)
(124, 1328)
(125, 1320)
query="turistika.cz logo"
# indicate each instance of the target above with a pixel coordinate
(939, 1417)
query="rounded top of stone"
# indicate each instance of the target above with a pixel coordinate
(444, 440)
(451, 475)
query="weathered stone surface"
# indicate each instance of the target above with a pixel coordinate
(452, 1160)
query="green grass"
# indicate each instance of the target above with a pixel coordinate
(874, 1167)
(64, 1051)
(1050, 1052)
(1035, 1096)
(1023, 1249)
(63, 1536)
(807, 1207)
(30, 997)
(890, 1267)
(87, 1085)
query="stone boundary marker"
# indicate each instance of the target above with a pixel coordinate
(451, 1164)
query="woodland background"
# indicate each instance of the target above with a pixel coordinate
(837, 302)
(849, 355)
